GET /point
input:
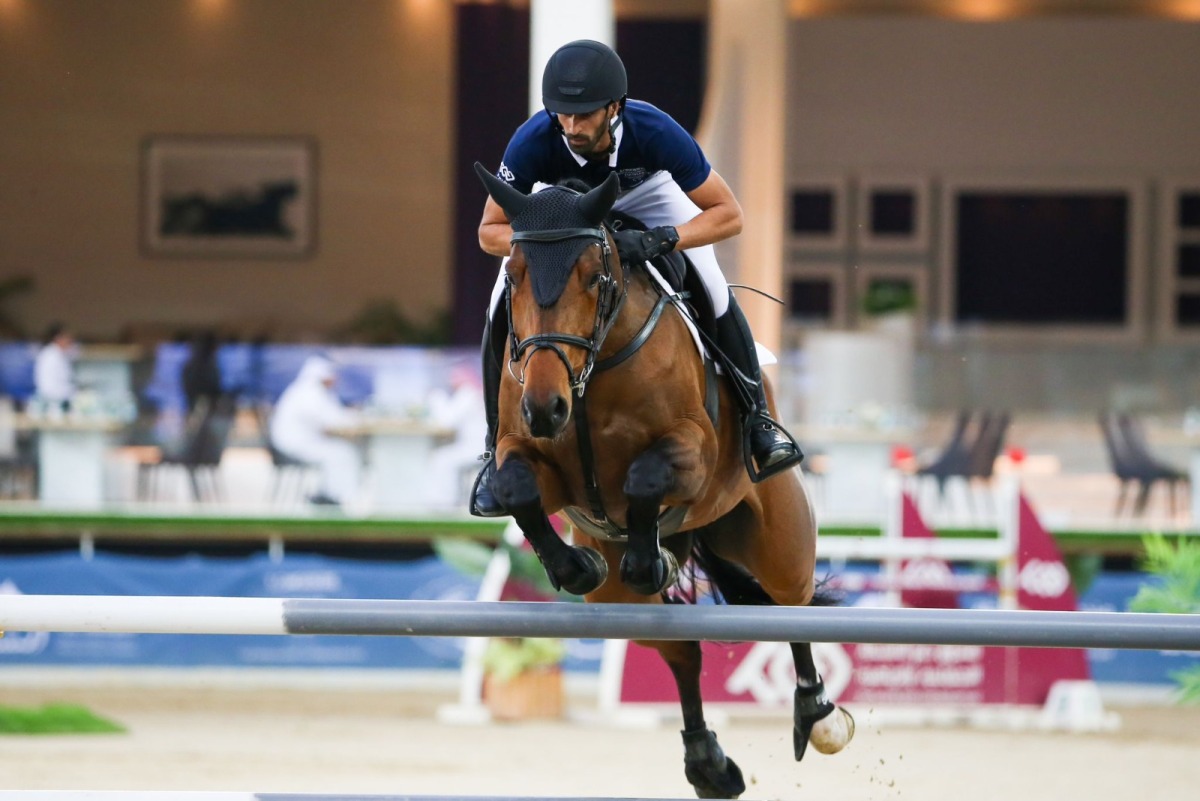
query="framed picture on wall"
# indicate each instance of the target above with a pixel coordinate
(228, 197)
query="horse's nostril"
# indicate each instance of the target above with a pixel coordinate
(560, 410)
(527, 411)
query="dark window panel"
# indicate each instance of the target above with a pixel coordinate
(810, 299)
(893, 213)
(812, 212)
(1189, 261)
(1189, 210)
(1039, 258)
(1187, 311)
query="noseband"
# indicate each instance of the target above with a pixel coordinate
(612, 298)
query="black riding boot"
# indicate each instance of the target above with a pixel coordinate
(483, 502)
(769, 448)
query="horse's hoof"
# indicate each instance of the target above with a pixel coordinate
(829, 728)
(708, 770)
(660, 575)
(834, 732)
(590, 569)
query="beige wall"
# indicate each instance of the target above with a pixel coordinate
(83, 83)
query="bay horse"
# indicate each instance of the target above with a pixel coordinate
(603, 417)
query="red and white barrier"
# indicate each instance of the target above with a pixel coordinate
(910, 682)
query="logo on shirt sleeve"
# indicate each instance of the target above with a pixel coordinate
(505, 174)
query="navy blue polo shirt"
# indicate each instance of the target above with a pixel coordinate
(648, 140)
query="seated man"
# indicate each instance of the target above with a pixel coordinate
(305, 413)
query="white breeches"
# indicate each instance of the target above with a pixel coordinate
(659, 201)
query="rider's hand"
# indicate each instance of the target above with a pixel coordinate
(636, 247)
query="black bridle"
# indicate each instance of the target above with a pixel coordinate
(608, 306)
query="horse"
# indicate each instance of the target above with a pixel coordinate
(607, 415)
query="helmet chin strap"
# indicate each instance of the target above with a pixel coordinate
(613, 124)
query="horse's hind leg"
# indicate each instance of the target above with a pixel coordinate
(774, 537)
(710, 772)
(576, 570)
(816, 719)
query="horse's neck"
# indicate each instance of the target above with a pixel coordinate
(641, 296)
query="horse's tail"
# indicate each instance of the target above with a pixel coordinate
(733, 584)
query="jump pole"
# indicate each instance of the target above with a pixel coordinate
(278, 616)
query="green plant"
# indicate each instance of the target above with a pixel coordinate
(54, 719)
(889, 296)
(472, 558)
(1175, 590)
(508, 657)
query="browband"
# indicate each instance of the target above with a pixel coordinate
(558, 235)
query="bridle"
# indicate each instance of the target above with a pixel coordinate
(611, 299)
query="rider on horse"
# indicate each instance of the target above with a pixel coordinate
(589, 130)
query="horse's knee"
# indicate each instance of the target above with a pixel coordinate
(514, 485)
(649, 477)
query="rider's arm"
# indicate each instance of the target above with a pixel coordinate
(494, 230)
(720, 214)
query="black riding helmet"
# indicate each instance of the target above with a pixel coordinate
(583, 76)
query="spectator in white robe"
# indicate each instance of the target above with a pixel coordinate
(304, 416)
(453, 464)
(53, 371)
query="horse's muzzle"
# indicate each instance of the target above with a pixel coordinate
(545, 419)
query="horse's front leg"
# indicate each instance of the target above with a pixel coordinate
(576, 570)
(647, 567)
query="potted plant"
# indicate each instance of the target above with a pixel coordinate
(523, 678)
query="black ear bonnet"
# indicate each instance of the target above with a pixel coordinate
(554, 208)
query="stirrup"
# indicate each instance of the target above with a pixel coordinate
(783, 455)
(483, 503)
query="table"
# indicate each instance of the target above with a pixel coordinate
(398, 452)
(858, 460)
(71, 454)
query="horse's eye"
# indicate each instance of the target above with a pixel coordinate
(595, 282)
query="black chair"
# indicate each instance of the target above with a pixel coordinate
(198, 454)
(1133, 462)
(954, 458)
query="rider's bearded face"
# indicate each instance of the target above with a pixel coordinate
(587, 134)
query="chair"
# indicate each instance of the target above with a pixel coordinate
(289, 475)
(198, 454)
(986, 448)
(954, 459)
(1133, 462)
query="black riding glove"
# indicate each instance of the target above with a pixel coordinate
(637, 247)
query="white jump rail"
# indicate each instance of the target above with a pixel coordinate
(278, 616)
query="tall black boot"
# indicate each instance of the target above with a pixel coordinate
(483, 503)
(768, 447)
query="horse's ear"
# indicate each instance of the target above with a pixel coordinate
(596, 204)
(508, 198)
